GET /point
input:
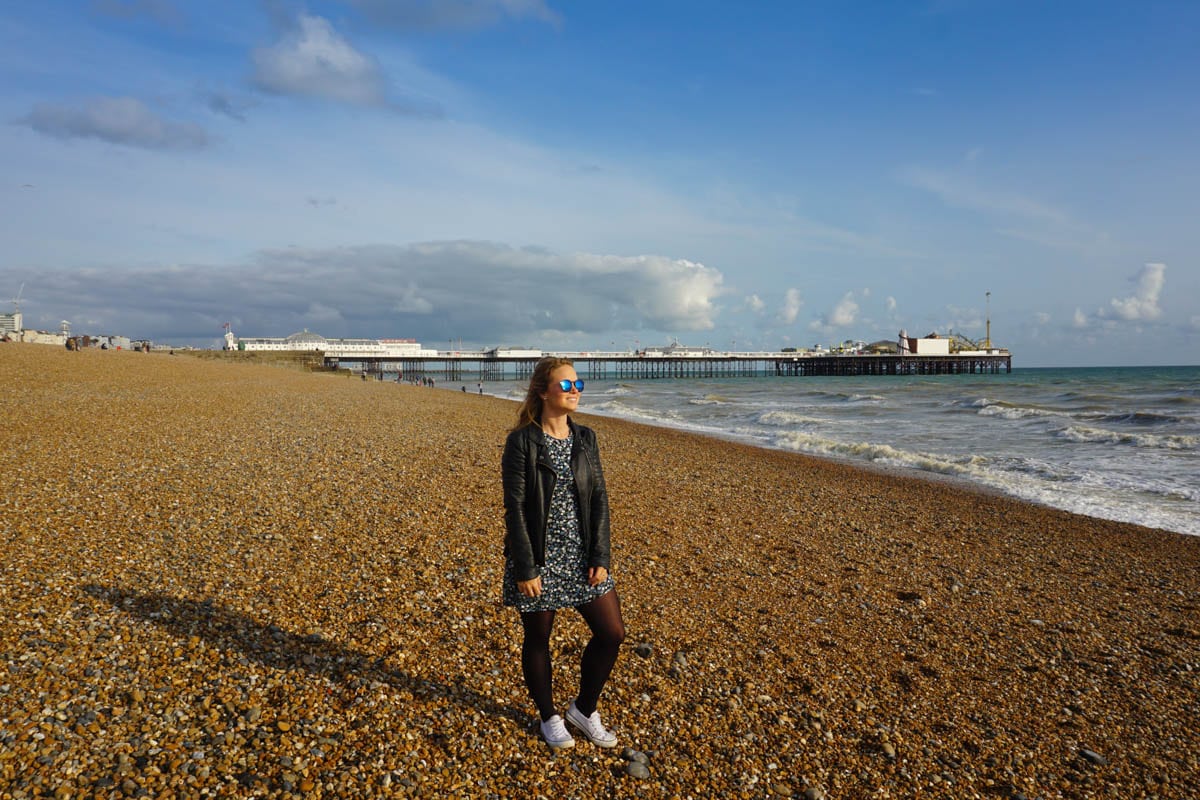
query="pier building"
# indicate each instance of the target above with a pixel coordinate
(406, 358)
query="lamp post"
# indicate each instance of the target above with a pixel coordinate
(987, 342)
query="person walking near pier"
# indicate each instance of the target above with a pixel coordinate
(556, 547)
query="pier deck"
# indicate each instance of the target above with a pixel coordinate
(485, 367)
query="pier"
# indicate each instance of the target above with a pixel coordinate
(488, 366)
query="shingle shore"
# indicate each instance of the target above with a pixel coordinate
(241, 580)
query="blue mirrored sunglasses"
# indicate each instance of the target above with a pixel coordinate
(566, 385)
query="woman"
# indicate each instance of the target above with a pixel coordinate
(556, 547)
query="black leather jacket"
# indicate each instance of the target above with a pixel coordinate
(529, 480)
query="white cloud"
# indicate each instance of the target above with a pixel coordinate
(964, 319)
(753, 303)
(962, 193)
(314, 59)
(890, 304)
(1079, 320)
(119, 120)
(1041, 317)
(792, 303)
(1142, 305)
(845, 312)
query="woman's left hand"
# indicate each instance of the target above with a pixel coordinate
(597, 576)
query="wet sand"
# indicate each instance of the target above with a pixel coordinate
(245, 580)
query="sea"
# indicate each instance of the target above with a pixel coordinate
(1119, 443)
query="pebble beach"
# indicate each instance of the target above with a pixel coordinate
(227, 579)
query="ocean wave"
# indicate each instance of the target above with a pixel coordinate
(1005, 411)
(709, 400)
(1172, 488)
(1139, 418)
(864, 398)
(617, 408)
(1084, 434)
(928, 462)
(1041, 470)
(787, 418)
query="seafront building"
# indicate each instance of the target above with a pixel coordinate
(307, 341)
(12, 329)
(10, 323)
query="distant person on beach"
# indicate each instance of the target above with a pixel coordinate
(556, 547)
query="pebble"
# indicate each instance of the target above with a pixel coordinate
(629, 754)
(227, 579)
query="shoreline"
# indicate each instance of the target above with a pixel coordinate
(227, 578)
(887, 470)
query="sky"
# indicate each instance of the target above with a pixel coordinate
(608, 175)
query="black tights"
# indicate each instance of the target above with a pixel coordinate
(603, 617)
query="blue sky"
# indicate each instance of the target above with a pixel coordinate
(587, 175)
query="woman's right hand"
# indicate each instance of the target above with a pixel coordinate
(530, 588)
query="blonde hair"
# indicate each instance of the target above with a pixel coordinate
(530, 412)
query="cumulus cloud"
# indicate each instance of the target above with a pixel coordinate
(792, 303)
(119, 120)
(890, 304)
(1142, 305)
(423, 14)
(477, 291)
(1041, 317)
(754, 303)
(845, 312)
(313, 59)
(1079, 320)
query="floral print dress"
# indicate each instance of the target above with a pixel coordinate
(564, 575)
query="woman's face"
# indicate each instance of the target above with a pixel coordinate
(555, 400)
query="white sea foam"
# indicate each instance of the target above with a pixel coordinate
(788, 418)
(883, 453)
(1082, 433)
(617, 391)
(709, 400)
(1119, 447)
(1017, 412)
(618, 408)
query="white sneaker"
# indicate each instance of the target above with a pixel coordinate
(556, 734)
(591, 727)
